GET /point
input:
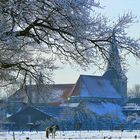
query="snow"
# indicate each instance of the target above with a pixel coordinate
(56, 96)
(131, 106)
(93, 86)
(70, 104)
(137, 121)
(106, 108)
(74, 135)
(8, 115)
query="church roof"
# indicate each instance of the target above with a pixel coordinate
(54, 111)
(94, 86)
(133, 105)
(22, 95)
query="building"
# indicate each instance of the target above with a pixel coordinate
(37, 115)
(132, 107)
(101, 95)
(114, 72)
(98, 96)
(28, 115)
(94, 88)
(114, 77)
(42, 94)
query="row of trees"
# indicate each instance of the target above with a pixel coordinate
(34, 34)
(81, 118)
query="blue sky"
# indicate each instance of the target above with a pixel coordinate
(112, 9)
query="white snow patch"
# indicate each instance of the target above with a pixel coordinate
(73, 135)
(106, 108)
(56, 96)
(8, 115)
(70, 104)
(131, 106)
(95, 87)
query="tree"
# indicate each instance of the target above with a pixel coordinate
(135, 91)
(35, 33)
(77, 118)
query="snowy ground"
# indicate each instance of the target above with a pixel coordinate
(67, 135)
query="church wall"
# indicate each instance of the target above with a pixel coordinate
(121, 86)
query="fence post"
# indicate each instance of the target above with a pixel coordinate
(14, 136)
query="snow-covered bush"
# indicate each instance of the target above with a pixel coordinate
(78, 118)
(133, 121)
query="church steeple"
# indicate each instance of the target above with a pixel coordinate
(114, 58)
(114, 71)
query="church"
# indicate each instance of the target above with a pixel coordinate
(114, 72)
(113, 79)
(101, 95)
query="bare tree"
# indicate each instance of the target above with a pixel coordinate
(135, 91)
(35, 33)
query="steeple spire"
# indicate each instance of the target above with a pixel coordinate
(114, 58)
(114, 71)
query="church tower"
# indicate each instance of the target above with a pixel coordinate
(114, 71)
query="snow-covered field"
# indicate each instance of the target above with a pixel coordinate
(67, 135)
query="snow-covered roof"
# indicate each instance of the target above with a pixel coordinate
(70, 104)
(54, 111)
(106, 109)
(39, 93)
(94, 86)
(51, 111)
(131, 106)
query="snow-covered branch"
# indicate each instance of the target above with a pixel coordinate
(68, 30)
